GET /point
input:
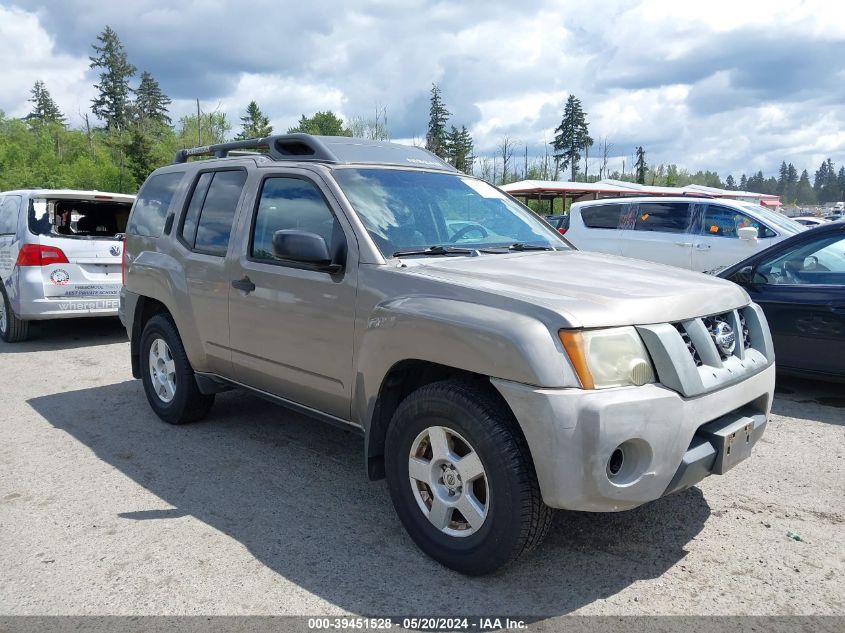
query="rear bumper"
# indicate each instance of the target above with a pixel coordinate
(665, 438)
(30, 303)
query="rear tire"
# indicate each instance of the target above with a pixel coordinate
(168, 376)
(483, 476)
(12, 329)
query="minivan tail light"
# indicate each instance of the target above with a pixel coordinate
(562, 231)
(40, 255)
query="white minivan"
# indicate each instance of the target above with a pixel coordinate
(60, 255)
(703, 234)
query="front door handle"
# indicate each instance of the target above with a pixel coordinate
(243, 284)
(687, 244)
(702, 247)
(837, 309)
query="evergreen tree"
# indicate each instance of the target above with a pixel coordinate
(782, 179)
(436, 140)
(151, 104)
(571, 136)
(791, 182)
(255, 124)
(840, 184)
(640, 166)
(459, 149)
(743, 183)
(140, 153)
(44, 109)
(730, 183)
(672, 176)
(112, 103)
(322, 124)
(804, 193)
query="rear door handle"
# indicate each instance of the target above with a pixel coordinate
(687, 244)
(243, 284)
(837, 309)
(702, 247)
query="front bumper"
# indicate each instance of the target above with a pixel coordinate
(572, 433)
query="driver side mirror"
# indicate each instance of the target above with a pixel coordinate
(747, 233)
(304, 248)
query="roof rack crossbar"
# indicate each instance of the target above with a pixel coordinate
(279, 147)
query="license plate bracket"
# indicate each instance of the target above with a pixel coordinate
(733, 436)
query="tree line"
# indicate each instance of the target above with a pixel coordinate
(133, 134)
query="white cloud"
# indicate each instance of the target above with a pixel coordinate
(27, 54)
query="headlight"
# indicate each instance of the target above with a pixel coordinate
(608, 358)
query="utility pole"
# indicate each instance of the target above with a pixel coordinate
(199, 125)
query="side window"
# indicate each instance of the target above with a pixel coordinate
(152, 204)
(291, 203)
(724, 222)
(211, 212)
(820, 262)
(9, 209)
(604, 216)
(665, 217)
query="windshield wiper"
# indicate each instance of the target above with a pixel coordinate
(436, 250)
(522, 246)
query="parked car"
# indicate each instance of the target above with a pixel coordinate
(700, 234)
(809, 220)
(560, 222)
(488, 386)
(800, 284)
(59, 256)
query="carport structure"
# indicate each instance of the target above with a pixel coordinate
(550, 190)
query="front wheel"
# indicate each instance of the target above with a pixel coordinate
(462, 480)
(168, 376)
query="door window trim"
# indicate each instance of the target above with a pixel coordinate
(343, 248)
(183, 214)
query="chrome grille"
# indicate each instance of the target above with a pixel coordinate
(746, 335)
(690, 346)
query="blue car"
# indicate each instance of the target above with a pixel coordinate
(800, 284)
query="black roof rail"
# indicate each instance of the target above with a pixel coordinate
(324, 149)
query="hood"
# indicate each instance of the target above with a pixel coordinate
(589, 289)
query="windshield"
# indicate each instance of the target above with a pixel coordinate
(773, 217)
(412, 210)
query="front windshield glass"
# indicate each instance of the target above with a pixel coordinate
(414, 210)
(773, 217)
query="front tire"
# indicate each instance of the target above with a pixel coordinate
(168, 376)
(462, 480)
(12, 329)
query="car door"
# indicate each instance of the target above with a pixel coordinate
(205, 232)
(658, 232)
(801, 289)
(291, 324)
(716, 243)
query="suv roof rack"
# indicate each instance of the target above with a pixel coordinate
(323, 149)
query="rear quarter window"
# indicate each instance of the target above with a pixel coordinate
(153, 202)
(9, 210)
(604, 216)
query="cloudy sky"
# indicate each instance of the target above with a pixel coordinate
(731, 86)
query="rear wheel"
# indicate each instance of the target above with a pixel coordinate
(12, 329)
(462, 480)
(168, 376)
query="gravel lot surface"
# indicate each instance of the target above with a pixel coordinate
(106, 510)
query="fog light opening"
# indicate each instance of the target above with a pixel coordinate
(614, 464)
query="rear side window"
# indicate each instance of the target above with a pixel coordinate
(604, 216)
(725, 221)
(291, 203)
(211, 212)
(666, 217)
(152, 204)
(9, 208)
